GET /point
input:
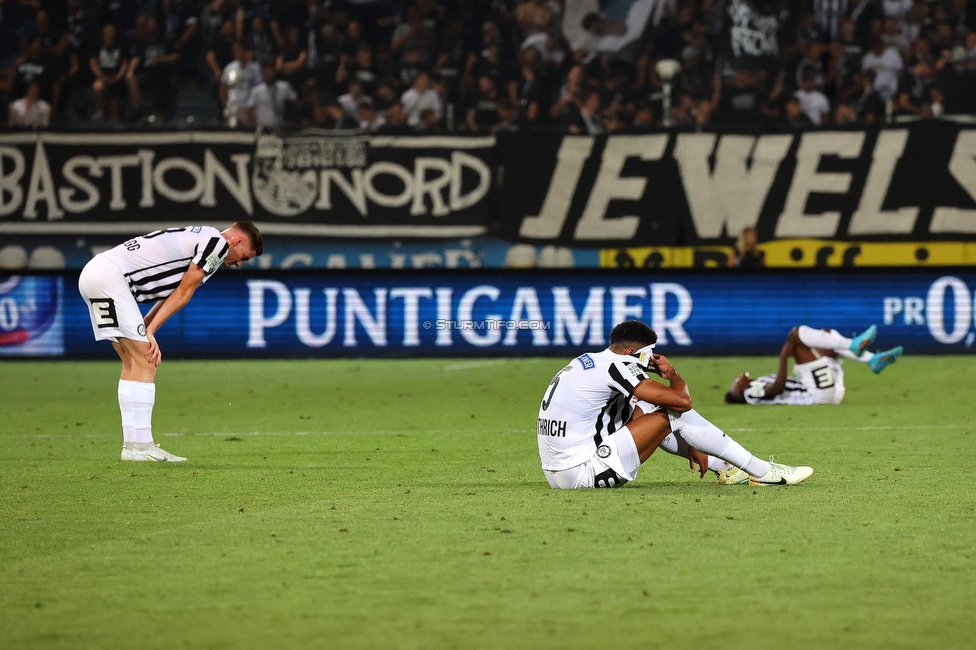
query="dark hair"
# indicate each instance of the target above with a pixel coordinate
(248, 228)
(632, 331)
(589, 19)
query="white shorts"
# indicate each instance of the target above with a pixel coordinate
(114, 312)
(823, 379)
(615, 462)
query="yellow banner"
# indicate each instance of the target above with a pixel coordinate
(798, 253)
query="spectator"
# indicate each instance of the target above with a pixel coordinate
(34, 67)
(396, 121)
(181, 24)
(893, 36)
(793, 115)
(864, 14)
(151, 69)
(419, 97)
(885, 63)
(350, 101)
(956, 82)
(269, 100)
(571, 92)
(370, 120)
(915, 91)
(482, 114)
(896, 9)
(220, 50)
(813, 102)
(361, 68)
(290, 63)
(109, 66)
(237, 80)
(30, 111)
(870, 106)
(587, 118)
(742, 101)
(285, 14)
(746, 254)
(60, 57)
(259, 40)
(533, 102)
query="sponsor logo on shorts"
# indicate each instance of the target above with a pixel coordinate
(586, 361)
(603, 451)
(142, 330)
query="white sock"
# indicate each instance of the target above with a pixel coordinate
(832, 340)
(672, 445)
(708, 438)
(128, 417)
(143, 397)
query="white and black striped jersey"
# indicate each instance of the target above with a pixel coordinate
(154, 264)
(794, 394)
(820, 381)
(586, 401)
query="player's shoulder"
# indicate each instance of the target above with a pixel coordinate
(202, 231)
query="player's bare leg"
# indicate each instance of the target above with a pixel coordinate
(648, 430)
(137, 395)
(833, 343)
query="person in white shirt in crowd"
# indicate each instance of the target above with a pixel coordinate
(814, 103)
(419, 97)
(240, 76)
(350, 100)
(30, 111)
(268, 101)
(886, 65)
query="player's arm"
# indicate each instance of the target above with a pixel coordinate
(675, 396)
(161, 311)
(779, 385)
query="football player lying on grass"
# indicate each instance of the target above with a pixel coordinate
(818, 377)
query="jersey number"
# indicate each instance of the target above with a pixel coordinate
(823, 378)
(552, 388)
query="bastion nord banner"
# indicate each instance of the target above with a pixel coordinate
(309, 184)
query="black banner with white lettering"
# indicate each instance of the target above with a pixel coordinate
(915, 182)
(909, 183)
(305, 184)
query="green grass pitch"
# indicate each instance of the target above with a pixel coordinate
(400, 504)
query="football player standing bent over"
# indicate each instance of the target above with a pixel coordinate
(601, 417)
(165, 267)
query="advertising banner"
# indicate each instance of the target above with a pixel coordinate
(484, 313)
(30, 316)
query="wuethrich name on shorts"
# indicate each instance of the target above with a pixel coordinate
(554, 428)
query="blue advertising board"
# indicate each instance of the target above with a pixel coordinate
(485, 313)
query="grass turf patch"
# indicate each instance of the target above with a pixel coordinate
(400, 504)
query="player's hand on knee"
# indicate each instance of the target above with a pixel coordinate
(153, 355)
(696, 457)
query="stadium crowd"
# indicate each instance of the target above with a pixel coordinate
(479, 66)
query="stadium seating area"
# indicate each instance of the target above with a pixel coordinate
(474, 66)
